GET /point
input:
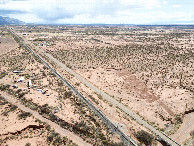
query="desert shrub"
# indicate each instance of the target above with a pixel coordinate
(77, 84)
(81, 128)
(144, 137)
(178, 120)
(13, 108)
(21, 94)
(1, 141)
(44, 67)
(1, 98)
(28, 144)
(5, 113)
(52, 117)
(192, 133)
(102, 137)
(68, 94)
(4, 87)
(105, 142)
(63, 124)
(65, 139)
(2, 75)
(60, 83)
(27, 76)
(93, 99)
(39, 39)
(57, 141)
(48, 127)
(52, 135)
(50, 138)
(3, 101)
(45, 109)
(19, 90)
(51, 74)
(43, 74)
(24, 115)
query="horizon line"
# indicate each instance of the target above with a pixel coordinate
(173, 24)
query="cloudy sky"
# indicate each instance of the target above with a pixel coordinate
(100, 11)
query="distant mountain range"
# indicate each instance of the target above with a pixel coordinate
(10, 21)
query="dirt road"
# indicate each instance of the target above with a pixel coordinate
(63, 132)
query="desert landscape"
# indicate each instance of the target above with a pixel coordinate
(49, 97)
(147, 69)
(21, 128)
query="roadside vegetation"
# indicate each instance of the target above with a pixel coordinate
(89, 127)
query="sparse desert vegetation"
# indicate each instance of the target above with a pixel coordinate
(51, 98)
(21, 128)
(149, 69)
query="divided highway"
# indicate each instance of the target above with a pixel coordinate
(125, 109)
(126, 139)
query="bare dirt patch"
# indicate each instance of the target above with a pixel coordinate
(183, 133)
(7, 44)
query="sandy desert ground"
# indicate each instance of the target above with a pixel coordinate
(20, 128)
(148, 69)
(50, 97)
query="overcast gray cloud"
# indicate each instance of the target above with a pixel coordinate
(52, 13)
(96, 11)
(3, 12)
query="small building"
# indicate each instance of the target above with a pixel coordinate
(44, 92)
(15, 86)
(29, 83)
(17, 71)
(21, 79)
(40, 90)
